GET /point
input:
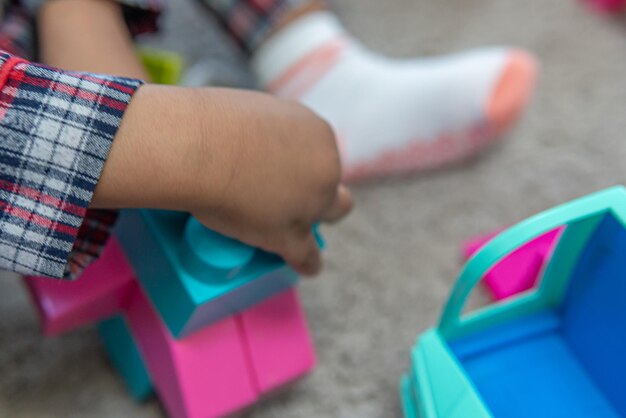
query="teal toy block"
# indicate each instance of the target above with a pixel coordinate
(194, 276)
(409, 404)
(125, 356)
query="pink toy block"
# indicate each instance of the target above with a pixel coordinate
(216, 371)
(202, 376)
(278, 340)
(99, 293)
(607, 6)
(518, 271)
(228, 365)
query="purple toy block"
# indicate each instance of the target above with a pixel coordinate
(518, 271)
(278, 340)
(99, 293)
(202, 376)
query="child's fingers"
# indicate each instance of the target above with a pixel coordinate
(303, 255)
(340, 207)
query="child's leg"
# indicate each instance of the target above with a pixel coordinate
(104, 44)
(391, 115)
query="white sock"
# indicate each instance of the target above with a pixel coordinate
(395, 115)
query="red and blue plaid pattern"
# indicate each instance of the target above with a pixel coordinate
(142, 15)
(56, 128)
(249, 22)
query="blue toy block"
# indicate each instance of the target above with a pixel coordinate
(125, 356)
(194, 276)
(555, 351)
(577, 347)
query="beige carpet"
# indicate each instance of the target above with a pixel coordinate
(390, 266)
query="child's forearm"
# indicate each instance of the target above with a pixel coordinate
(87, 35)
(156, 157)
(248, 165)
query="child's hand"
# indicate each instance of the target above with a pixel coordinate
(279, 169)
(248, 165)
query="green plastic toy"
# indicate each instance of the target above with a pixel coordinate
(163, 67)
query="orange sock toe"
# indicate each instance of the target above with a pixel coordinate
(512, 91)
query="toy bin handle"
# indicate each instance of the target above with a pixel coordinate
(572, 215)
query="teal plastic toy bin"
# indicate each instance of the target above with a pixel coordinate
(558, 350)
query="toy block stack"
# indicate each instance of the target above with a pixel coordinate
(555, 351)
(207, 323)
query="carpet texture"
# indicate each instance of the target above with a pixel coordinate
(389, 267)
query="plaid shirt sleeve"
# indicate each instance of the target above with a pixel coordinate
(37, 250)
(56, 129)
(250, 22)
